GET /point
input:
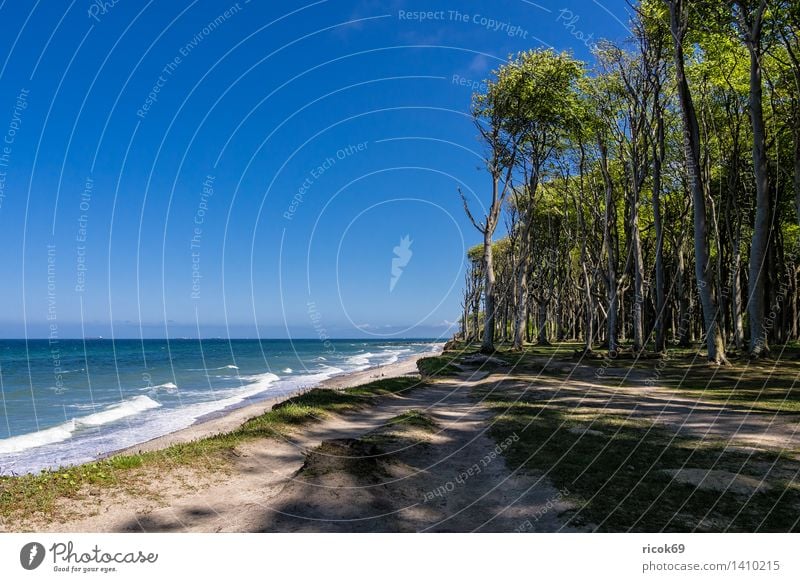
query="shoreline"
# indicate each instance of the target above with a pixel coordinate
(232, 418)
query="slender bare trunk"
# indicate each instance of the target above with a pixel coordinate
(521, 315)
(797, 165)
(683, 325)
(612, 285)
(543, 324)
(638, 275)
(736, 295)
(488, 305)
(761, 227)
(589, 310)
(658, 156)
(476, 321)
(691, 135)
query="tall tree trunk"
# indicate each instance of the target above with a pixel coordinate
(588, 306)
(521, 315)
(794, 300)
(529, 323)
(797, 165)
(761, 227)
(658, 156)
(736, 293)
(612, 285)
(691, 137)
(476, 321)
(638, 275)
(488, 305)
(543, 324)
(588, 331)
(504, 324)
(683, 324)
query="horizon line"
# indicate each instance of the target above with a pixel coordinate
(185, 338)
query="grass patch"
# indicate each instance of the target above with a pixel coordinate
(438, 366)
(785, 401)
(765, 385)
(27, 495)
(409, 429)
(414, 419)
(616, 479)
(762, 385)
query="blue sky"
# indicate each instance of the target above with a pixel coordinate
(244, 169)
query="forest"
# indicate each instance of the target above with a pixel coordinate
(649, 198)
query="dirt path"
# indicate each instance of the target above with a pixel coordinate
(451, 478)
(415, 481)
(627, 393)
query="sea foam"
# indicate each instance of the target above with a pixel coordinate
(66, 430)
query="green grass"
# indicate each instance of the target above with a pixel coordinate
(438, 366)
(765, 385)
(37, 494)
(556, 349)
(414, 419)
(406, 427)
(762, 385)
(774, 399)
(615, 479)
(29, 494)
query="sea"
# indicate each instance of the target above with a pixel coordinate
(74, 401)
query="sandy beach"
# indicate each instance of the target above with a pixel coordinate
(227, 420)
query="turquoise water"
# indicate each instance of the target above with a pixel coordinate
(73, 401)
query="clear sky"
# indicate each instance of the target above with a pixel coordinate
(236, 169)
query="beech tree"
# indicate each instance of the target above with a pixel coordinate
(750, 21)
(653, 200)
(491, 110)
(541, 84)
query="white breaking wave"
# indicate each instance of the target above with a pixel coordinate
(119, 411)
(47, 436)
(88, 442)
(365, 361)
(287, 370)
(178, 418)
(360, 359)
(85, 406)
(168, 387)
(263, 380)
(65, 431)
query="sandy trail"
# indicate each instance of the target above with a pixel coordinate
(268, 490)
(453, 480)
